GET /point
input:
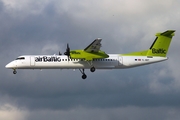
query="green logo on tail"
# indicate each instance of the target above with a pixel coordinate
(158, 51)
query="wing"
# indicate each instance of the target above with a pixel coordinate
(94, 46)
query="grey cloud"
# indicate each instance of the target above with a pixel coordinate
(63, 92)
(126, 113)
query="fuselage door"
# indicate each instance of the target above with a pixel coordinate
(32, 61)
(120, 60)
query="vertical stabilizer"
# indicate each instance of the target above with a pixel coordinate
(161, 44)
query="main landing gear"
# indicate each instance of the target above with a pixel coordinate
(84, 76)
(92, 69)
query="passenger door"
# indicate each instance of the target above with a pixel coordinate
(32, 61)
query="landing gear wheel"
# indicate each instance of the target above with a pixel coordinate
(92, 69)
(84, 76)
(14, 72)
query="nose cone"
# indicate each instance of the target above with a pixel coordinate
(10, 65)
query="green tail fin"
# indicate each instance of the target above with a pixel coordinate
(161, 44)
(159, 47)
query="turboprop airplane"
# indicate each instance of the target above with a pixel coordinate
(93, 58)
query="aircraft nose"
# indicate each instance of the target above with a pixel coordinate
(10, 65)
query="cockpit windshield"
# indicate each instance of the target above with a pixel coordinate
(20, 58)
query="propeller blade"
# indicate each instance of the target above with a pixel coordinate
(60, 53)
(67, 51)
(68, 46)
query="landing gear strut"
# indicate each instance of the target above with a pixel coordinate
(84, 76)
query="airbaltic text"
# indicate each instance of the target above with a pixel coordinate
(47, 59)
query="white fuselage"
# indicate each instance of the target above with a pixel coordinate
(115, 61)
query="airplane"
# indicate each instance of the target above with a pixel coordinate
(93, 58)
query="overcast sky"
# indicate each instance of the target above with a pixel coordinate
(45, 27)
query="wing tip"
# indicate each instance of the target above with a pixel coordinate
(98, 39)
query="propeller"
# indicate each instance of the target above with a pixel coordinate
(67, 51)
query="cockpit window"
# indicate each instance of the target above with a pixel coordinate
(20, 58)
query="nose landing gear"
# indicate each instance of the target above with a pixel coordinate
(14, 71)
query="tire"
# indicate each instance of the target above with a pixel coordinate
(84, 76)
(92, 69)
(14, 72)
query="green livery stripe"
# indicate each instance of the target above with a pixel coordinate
(139, 53)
